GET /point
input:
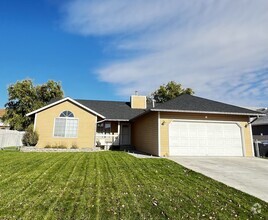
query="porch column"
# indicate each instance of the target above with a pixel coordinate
(118, 130)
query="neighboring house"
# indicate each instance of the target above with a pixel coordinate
(260, 126)
(185, 126)
(2, 124)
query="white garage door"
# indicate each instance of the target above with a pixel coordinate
(188, 138)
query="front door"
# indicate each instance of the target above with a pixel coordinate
(125, 134)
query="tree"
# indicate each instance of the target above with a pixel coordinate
(170, 91)
(24, 97)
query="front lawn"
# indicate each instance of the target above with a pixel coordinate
(113, 185)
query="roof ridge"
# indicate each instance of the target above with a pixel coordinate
(94, 100)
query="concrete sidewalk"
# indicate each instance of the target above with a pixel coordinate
(249, 175)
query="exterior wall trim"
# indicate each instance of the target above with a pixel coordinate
(95, 132)
(215, 121)
(119, 132)
(209, 121)
(123, 120)
(243, 140)
(63, 100)
(205, 112)
(145, 102)
(159, 134)
(131, 101)
(251, 138)
(35, 119)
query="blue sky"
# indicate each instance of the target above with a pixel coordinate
(107, 49)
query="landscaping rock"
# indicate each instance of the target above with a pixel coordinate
(35, 149)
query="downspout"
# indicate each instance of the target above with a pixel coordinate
(95, 133)
(250, 122)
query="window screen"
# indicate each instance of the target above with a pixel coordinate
(60, 124)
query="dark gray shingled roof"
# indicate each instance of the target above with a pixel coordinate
(189, 103)
(117, 110)
(112, 109)
(262, 120)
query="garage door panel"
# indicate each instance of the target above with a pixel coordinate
(186, 151)
(193, 142)
(205, 139)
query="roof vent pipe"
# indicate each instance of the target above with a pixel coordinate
(153, 101)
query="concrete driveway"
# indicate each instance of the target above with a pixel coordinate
(249, 175)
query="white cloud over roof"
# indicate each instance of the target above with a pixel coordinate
(218, 48)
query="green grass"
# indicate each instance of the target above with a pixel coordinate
(113, 185)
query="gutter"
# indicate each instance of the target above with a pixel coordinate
(207, 112)
(126, 120)
(199, 112)
(250, 122)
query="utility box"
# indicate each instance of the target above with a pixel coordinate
(261, 149)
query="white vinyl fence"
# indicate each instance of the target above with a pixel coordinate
(11, 138)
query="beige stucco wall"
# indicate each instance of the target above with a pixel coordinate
(138, 102)
(44, 125)
(144, 133)
(166, 118)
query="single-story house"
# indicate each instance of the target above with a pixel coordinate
(2, 124)
(260, 126)
(185, 126)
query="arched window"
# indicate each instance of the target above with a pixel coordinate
(67, 114)
(66, 126)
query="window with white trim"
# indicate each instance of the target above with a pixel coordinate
(66, 126)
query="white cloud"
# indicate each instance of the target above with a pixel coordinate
(219, 48)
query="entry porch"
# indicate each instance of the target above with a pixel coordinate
(113, 133)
